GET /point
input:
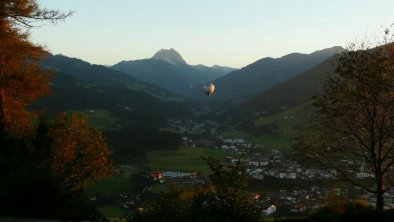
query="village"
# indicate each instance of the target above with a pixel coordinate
(288, 187)
(268, 164)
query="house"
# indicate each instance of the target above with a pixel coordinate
(225, 147)
(272, 172)
(254, 163)
(169, 176)
(232, 147)
(271, 210)
(264, 162)
(257, 174)
(364, 173)
(298, 208)
(320, 173)
(239, 140)
(291, 175)
(158, 175)
(287, 175)
(234, 141)
(179, 177)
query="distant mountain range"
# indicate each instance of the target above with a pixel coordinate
(264, 74)
(170, 71)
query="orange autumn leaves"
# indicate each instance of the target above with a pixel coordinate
(21, 80)
(80, 155)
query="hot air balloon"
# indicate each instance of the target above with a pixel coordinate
(208, 89)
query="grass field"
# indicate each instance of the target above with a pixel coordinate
(102, 119)
(269, 142)
(273, 185)
(237, 134)
(111, 186)
(184, 159)
(111, 212)
(290, 119)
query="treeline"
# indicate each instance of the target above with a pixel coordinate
(45, 163)
(132, 144)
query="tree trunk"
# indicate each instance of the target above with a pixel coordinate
(2, 114)
(379, 193)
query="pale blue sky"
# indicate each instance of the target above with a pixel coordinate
(224, 32)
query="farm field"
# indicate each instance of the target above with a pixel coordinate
(111, 186)
(102, 119)
(184, 159)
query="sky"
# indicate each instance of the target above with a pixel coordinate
(231, 33)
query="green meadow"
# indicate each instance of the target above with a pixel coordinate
(102, 119)
(184, 159)
(290, 124)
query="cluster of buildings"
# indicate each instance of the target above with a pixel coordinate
(175, 177)
(190, 127)
(277, 165)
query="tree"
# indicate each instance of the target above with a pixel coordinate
(47, 168)
(26, 12)
(355, 118)
(50, 170)
(169, 206)
(224, 199)
(79, 155)
(21, 80)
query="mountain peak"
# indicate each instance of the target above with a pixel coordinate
(170, 56)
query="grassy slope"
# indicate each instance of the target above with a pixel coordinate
(291, 124)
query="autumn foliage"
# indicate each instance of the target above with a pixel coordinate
(45, 163)
(21, 80)
(79, 155)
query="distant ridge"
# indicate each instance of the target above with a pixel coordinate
(283, 96)
(265, 74)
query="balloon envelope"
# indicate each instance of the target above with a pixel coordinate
(208, 89)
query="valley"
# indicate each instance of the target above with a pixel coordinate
(253, 111)
(154, 126)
